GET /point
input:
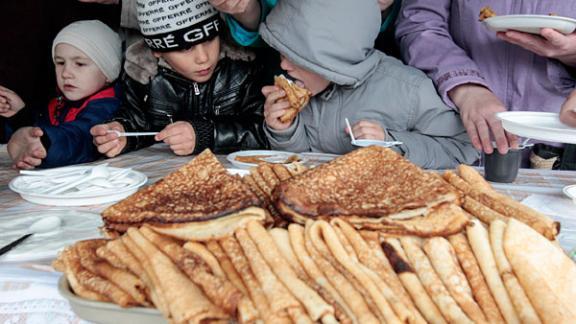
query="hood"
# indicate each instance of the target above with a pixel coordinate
(333, 38)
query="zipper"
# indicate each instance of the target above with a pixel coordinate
(196, 89)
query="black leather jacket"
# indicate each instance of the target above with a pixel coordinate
(226, 112)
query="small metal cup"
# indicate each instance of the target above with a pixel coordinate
(502, 167)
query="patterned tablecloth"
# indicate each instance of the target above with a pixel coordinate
(28, 292)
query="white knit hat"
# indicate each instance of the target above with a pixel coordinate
(171, 25)
(100, 43)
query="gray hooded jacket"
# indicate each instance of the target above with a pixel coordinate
(335, 38)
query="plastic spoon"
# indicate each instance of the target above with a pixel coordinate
(43, 225)
(350, 131)
(99, 171)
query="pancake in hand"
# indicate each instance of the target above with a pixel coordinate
(296, 95)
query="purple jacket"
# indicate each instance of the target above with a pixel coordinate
(445, 39)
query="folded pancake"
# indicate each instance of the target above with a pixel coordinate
(297, 96)
(521, 303)
(343, 313)
(399, 261)
(186, 300)
(200, 201)
(443, 259)
(432, 283)
(547, 275)
(352, 296)
(365, 186)
(316, 307)
(234, 252)
(475, 278)
(480, 244)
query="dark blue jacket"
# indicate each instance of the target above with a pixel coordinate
(67, 124)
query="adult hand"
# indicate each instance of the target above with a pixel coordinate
(246, 12)
(551, 44)
(26, 149)
(478, 107)
(180, 136)
(106, 2)
(568, 112)
(108, 143)
(275, 106)
(10, 102)
(385, 4)
(365, 129)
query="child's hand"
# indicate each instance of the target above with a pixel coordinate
(107, 143)
(10, 102)
(26, 149)
(568, 112)
(180, 136)
(365, 129)
(275, 107)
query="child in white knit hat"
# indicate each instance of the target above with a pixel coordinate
(87, 57)
(178, 83)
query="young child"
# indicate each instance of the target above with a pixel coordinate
(382, 98)
(87, 57)
(177, 83)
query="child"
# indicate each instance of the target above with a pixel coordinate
(87, 56)
(177, 84)
(382, 98)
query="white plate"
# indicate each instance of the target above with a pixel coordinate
(570, 192)
(531, 23)
(537, 125)
(274, 157)
(75, 226)
(107, 313)
(240, 172)
(103, 196)
(369, 142)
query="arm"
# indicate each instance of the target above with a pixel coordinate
(290, 136)
(550, 44)
(425, 43)
(436, 138)
(132, 114)
(568, 113)
(71, 142)
(243, 130)
(241, 30)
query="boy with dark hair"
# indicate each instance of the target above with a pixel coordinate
(177, 83)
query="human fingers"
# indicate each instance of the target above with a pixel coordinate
(172, 130)
(269, 89)
(112, 148)
(182, 148)
(529, 42)
(472, 131)
(372, 132)
(484, 135)
(36, 132)
(23, 165)
(32, 161)
(512, 140)
(554, 37)
(499, 134)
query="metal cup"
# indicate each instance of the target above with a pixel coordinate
(502, 167)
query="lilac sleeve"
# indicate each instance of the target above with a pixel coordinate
(423, 32)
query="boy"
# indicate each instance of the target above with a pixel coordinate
(87, 56)
(177, 84)
(383, 98)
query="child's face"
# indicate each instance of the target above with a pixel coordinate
(196, 63)
(77, 75)
(304, 78)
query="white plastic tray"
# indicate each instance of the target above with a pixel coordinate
(531, 23)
